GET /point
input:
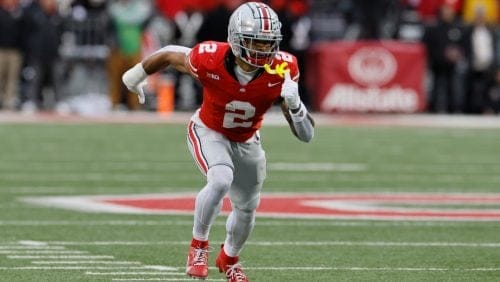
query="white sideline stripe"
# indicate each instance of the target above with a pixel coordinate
(397, 269)
(161, 267)
(32, 243)
(295, 243)
(271, 118)
(38, 190)
(83, 262)
(316, 166)
(60, 257)
(71, 267)
(11, 247)
(305, 268)
(380, 244)
(279, 166)
(74, 190)
(219, 223)
(39, 252)
(135, 273)
(82, 204)
(425, 269)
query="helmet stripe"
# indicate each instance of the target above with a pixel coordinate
(265, 17)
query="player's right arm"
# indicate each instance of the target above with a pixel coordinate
(172, 55)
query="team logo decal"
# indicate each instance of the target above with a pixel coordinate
(382, 206)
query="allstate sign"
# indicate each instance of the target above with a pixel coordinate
(368, 76)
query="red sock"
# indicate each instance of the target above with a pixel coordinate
(199, 244)
(227, 259)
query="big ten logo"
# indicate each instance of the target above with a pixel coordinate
(213, 76)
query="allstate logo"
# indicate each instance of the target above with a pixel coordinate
(372, 66)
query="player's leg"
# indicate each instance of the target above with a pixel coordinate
(211, 152)
(115, 68)
(14, 63)
(209, 200)
(250, 171)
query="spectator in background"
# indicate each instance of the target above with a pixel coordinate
(445, 50)
(429, 9)
(330, 19)
(492, 104)
(11, 43)
(128, 20)
(187, 25)
(480, 51)
(296, 32)
(409, 27)
(188, 22)
(490, 12)
(215, 22)
(43, 35)
(370, 15)
(168, 8)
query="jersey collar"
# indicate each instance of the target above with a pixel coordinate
(230, 64)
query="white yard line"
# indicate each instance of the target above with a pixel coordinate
(139, 178)
(271, 268)
(379, 244)
(53, 262)
(39, 252)
(59, 257)
(71, 267)
(95, 223)
(32, 243)
(38, 190)
(317, 166)
(76, 177)
(423, 269)
(13, 247)
(290, 243)
(274, 222)
(134, 273)
(161, 267)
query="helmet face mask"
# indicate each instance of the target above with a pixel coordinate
(254, 33)
(258, 52)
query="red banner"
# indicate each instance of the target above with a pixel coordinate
(369, 76)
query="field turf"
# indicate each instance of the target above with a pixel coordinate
(40, 243)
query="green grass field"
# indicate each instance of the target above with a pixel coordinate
(51, 244)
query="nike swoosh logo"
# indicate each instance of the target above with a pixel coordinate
(269, 84)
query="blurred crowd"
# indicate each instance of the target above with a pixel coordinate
(69, 55)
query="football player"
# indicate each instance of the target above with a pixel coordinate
(241, 80)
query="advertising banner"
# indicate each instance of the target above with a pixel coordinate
(367, 76)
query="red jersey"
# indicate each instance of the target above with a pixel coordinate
(235, 110)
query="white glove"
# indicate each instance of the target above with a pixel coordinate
(135, 79)
(290, 92)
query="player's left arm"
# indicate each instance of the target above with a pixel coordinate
(300, 121)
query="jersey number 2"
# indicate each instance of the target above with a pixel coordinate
(238, 114)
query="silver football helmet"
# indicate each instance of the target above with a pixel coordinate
(254, 33)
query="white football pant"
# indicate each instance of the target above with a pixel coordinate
(237, 168)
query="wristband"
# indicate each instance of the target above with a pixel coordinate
(300, 114)
(135, 75)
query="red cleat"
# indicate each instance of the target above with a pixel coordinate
(197, 260)
(230, 266)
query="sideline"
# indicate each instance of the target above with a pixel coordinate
(272, 118)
